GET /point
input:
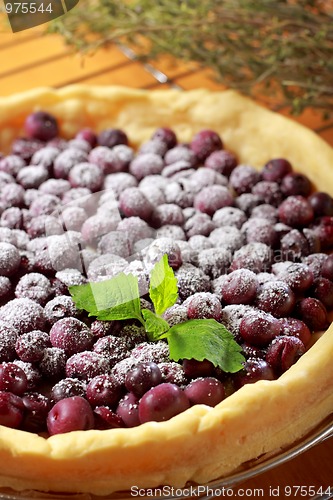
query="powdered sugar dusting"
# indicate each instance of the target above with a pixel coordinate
(23, 314)
(157, 352)
(232, 315)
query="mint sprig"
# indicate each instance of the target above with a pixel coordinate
(118, 299)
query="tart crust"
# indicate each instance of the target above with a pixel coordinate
(202, 443)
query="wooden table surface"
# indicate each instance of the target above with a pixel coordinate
(28, 59)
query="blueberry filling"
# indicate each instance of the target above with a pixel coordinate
(249, 249)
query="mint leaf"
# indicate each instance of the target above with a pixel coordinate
(205, 339)
(154, 325)
(163, 289)
(114, 299)
(83, 298)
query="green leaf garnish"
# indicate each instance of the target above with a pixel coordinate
(115, 299)
(118, 299)
(83, 297)
(205, 339)
(163, 289)
(154, 325)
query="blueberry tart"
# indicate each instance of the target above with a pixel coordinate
(110, 185)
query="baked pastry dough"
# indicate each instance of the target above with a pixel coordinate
(202, 443)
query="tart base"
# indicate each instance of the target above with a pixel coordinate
(201, 444)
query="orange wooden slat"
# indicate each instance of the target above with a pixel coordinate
(327, 135)
(132, 75)
(311, 118)
(69, 68)
(19, 58)
(172, 68)
(8, 40)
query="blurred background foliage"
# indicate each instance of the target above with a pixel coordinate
(283, 49)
